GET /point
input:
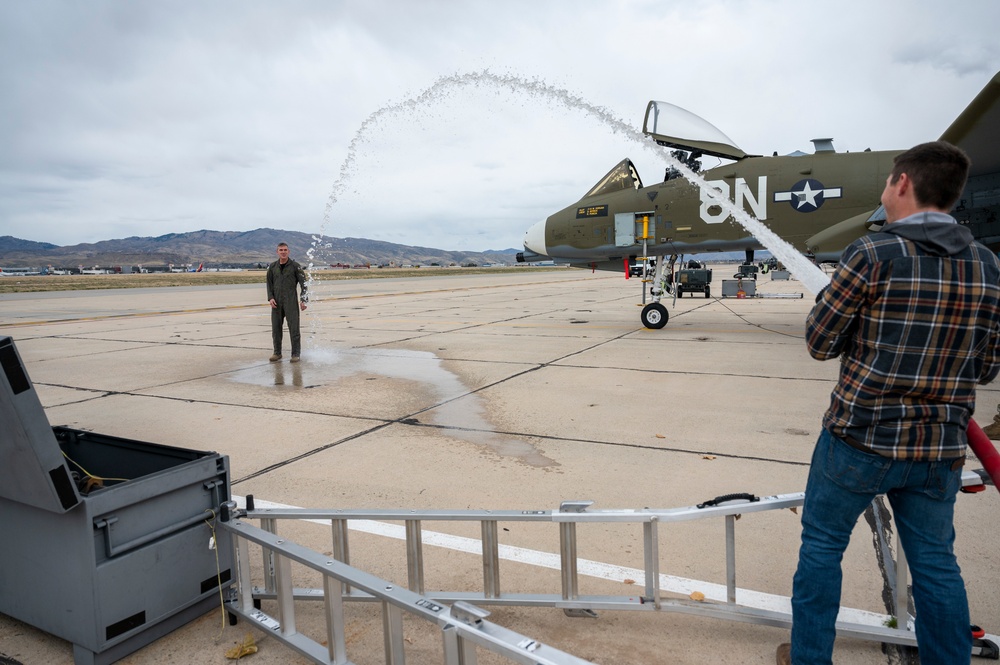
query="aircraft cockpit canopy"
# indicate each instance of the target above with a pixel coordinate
(674, 127)
(622, 176)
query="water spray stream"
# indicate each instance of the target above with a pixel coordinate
(805, 271)
(808, 273)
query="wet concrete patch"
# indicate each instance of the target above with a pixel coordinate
(453, 404)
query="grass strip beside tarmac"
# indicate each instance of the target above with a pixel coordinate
(40, 283)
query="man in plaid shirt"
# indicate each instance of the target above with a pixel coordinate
(913, 312)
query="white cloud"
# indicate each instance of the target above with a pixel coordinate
(126, 119)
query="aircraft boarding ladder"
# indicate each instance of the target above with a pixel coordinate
(463, 625)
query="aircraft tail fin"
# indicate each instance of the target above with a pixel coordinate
(977, 129)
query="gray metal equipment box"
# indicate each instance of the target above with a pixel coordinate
(780, 274)
(108, 542)
(731, 288)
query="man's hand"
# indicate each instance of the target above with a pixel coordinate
(274, 305)
(302, 306)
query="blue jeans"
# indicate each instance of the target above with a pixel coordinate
(842, 482)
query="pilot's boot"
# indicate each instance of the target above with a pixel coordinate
(993, 429)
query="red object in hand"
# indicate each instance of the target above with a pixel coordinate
(985, 451)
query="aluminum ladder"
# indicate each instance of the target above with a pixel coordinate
(343, 583)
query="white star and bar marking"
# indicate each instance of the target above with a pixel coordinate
(808, 195)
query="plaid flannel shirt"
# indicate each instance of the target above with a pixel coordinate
(917, 328)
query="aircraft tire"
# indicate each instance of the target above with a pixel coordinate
(654, 316)
(708, 292)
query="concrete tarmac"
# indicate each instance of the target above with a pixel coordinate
(514, 391)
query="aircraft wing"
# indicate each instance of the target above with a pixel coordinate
(828, 244)
(977, 130)
(674, 127)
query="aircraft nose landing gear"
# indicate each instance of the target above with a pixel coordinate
(654, 315)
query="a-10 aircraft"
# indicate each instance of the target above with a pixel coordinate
(817, 203)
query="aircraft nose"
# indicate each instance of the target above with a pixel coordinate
(534, 238)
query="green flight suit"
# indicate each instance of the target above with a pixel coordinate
(281, 287)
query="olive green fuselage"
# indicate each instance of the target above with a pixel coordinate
(794, 196)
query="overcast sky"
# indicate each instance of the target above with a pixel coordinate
(126, 119)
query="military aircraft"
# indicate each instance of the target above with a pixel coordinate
(818, 203)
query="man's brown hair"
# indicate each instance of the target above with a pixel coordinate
(938, 171)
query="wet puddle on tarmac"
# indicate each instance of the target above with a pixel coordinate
(465, 418)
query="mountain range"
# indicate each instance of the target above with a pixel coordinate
(234, 249)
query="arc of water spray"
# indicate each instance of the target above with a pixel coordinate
(807, 272)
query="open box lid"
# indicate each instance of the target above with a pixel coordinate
(32, 468)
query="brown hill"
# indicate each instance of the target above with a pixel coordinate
(233, 248)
